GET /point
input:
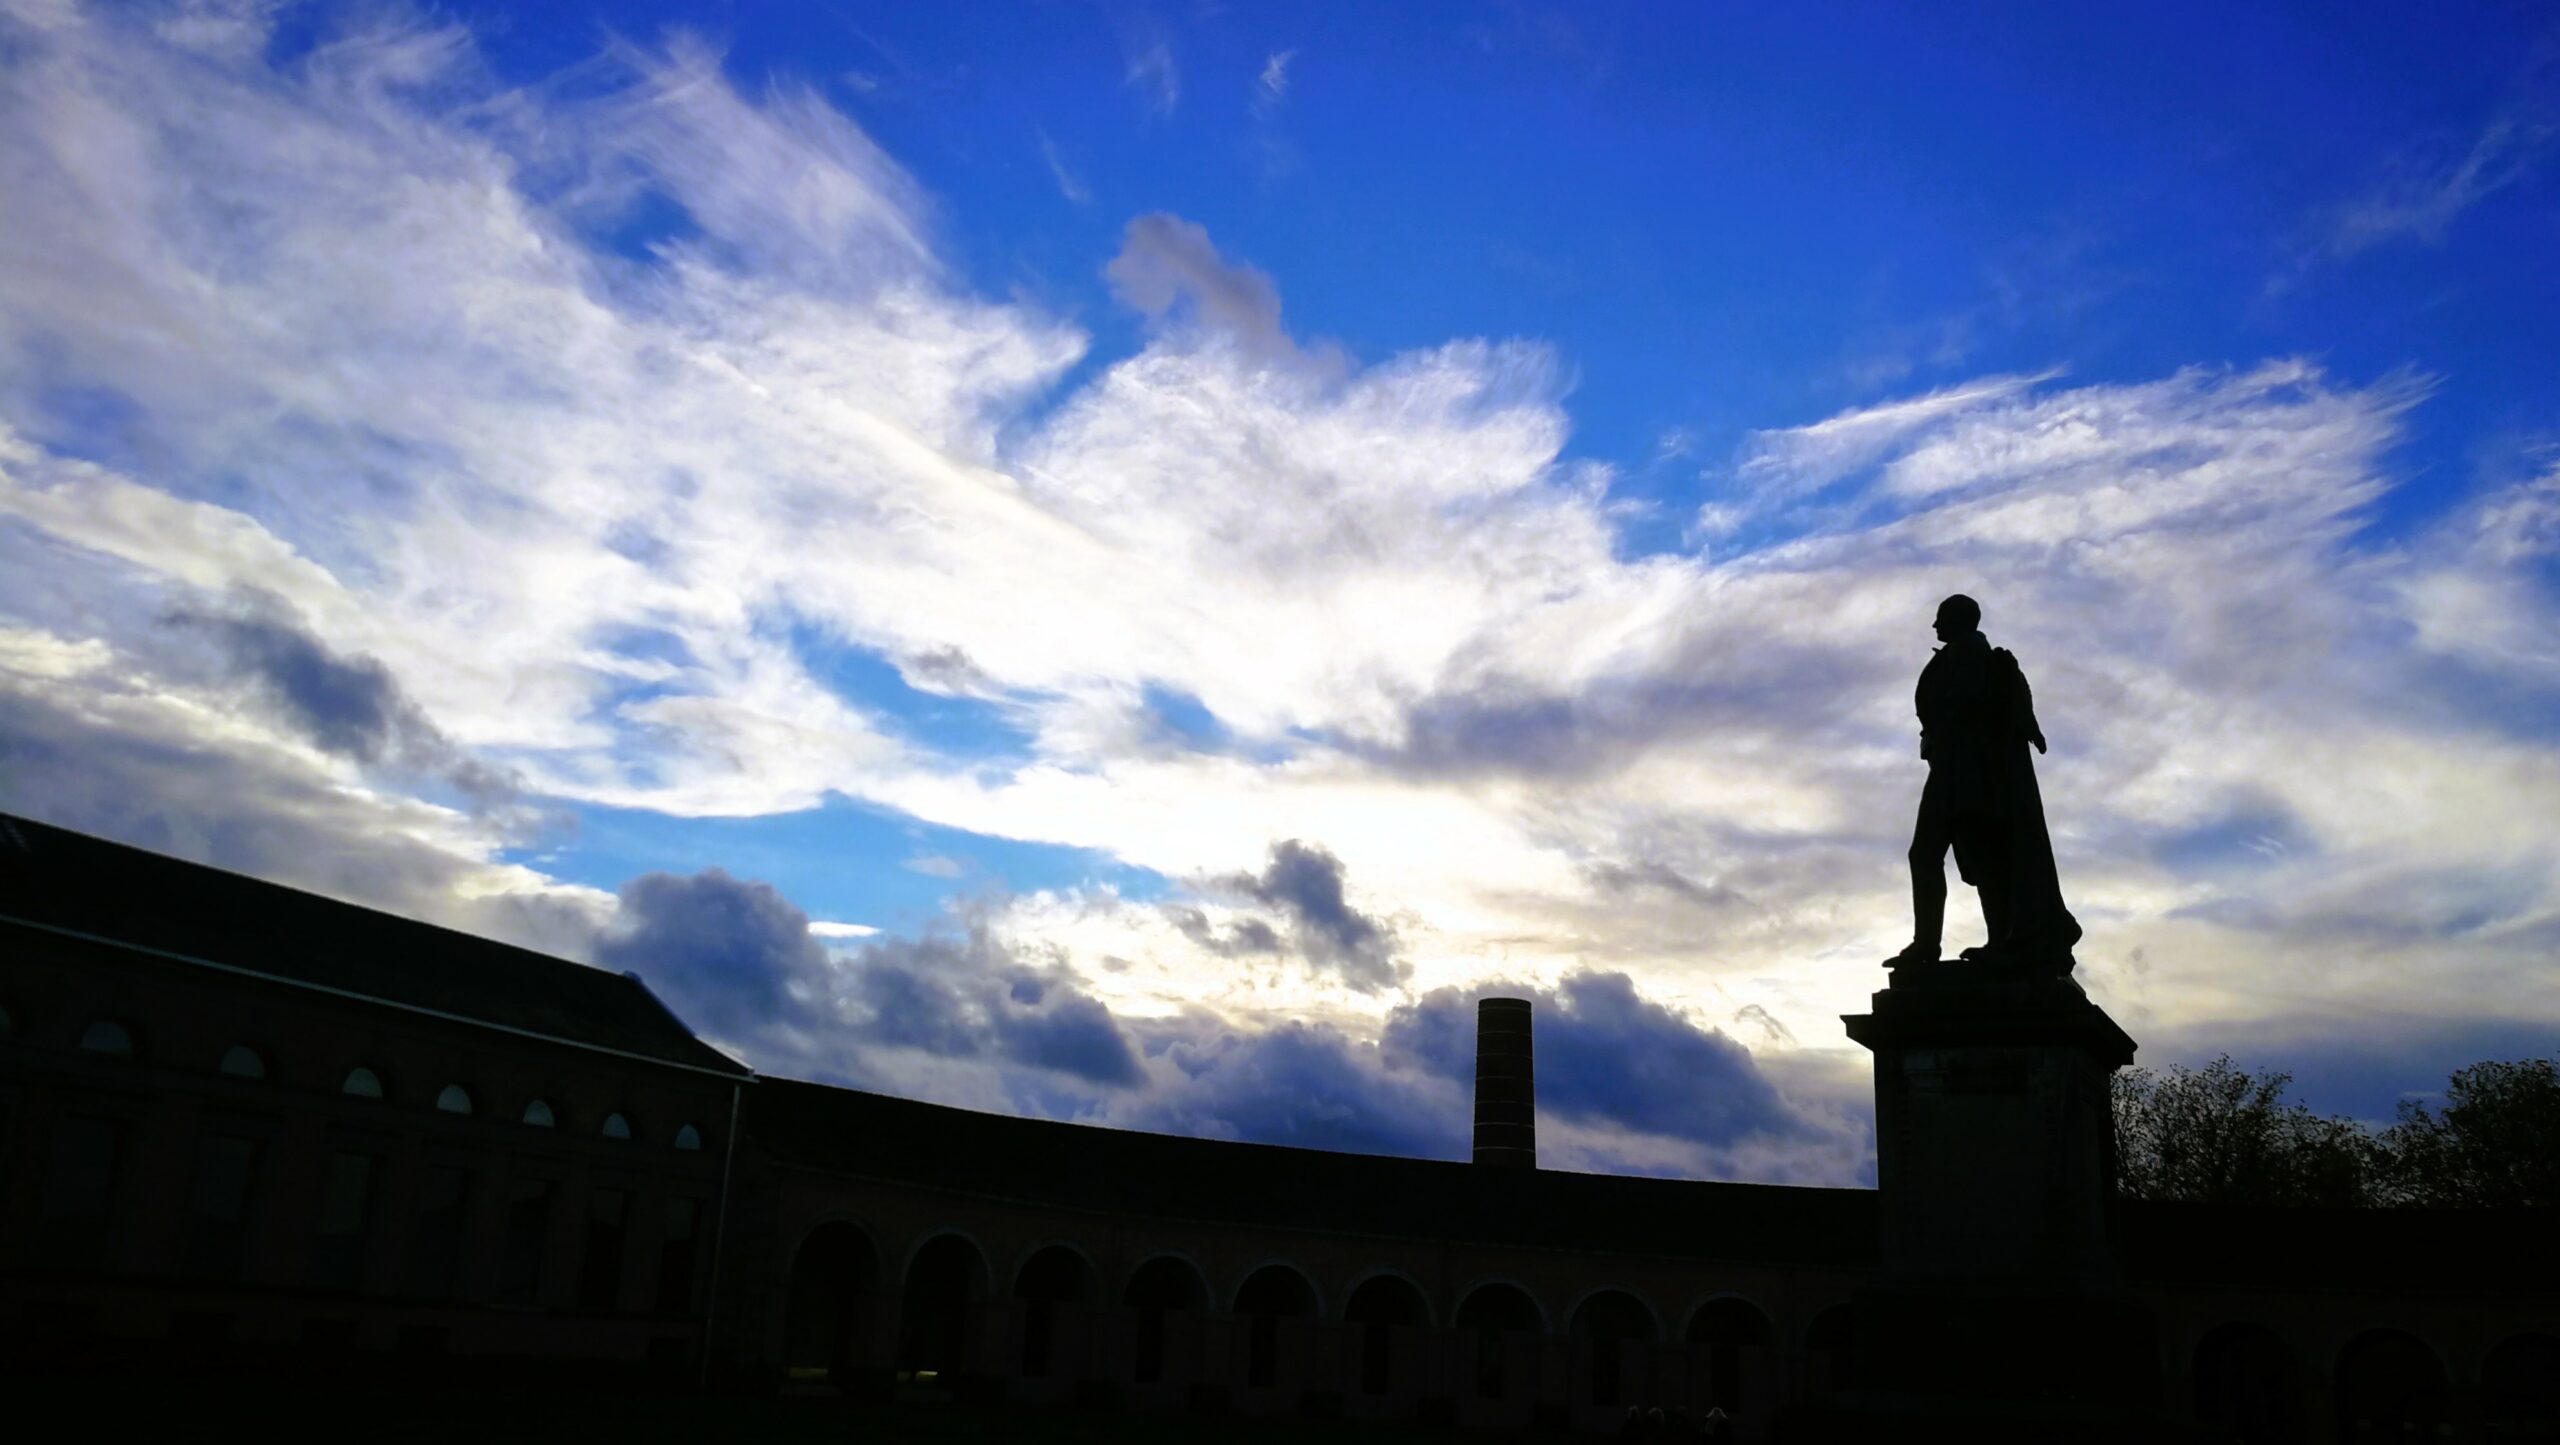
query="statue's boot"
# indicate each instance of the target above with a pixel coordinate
(1914, 952)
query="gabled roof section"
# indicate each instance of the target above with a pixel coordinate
(55, 879)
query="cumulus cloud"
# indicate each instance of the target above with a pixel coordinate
(744, 964)
(1169, 270)
(1307, 1085)
(1607, 1055)
(1303, 884)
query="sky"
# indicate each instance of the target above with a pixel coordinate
(1126, 562)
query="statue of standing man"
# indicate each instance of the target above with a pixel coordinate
(1977, 720)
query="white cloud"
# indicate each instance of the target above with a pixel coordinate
(1070, 185)
(1272, 86)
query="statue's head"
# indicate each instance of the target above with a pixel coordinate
(1957, 616)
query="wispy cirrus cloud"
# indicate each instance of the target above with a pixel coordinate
(1151, 70)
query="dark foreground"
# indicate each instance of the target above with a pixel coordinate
(84, 1409)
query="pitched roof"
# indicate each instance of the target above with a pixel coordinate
(70, 882)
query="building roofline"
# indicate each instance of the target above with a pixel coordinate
(742, 1073)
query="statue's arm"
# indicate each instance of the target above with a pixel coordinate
(2027, 708)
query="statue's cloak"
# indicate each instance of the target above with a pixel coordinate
(1977, 724)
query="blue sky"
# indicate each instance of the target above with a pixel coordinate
(1121, 561)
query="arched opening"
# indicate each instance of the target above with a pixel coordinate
(1496, 1322)
(1158, 1288)
(1731, 1338)
(453, 1099)
(362, 1083)
(242, 1062)
(538, 1115)
(1612, 1332)
(615, 1126)
(1052, 1281)
(106, 1036)
(1388, 1312)
(832, 1277)
(688, 1138)
(1270, 1295)
(2520, 1388)
(2390, 1387)
(944, 1280)
(2247, 1385)
(1831, 1349)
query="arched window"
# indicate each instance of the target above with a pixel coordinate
(945, 1280)
(362, 1083)
(1052, 1283)
(1160, 1286)
(106, 1036)
(1271, 1294)
(538, 1114)
(1731, 1339)
(688, 1137)
(453, 1099)
(1505, 1323)
(825, 1321)
(2246, 1383)
(2391, 1386)
(1613, 1331)
(243, 1062)
(615, 1127)
(1382, 1309)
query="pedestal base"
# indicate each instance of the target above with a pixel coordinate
(1998, 1313)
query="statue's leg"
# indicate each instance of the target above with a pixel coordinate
(1929, 844)
(1984, 862)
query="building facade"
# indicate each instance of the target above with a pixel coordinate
(239, 1121)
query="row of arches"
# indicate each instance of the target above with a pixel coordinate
(1496, 1326)
(2244, 1380)
(112, 1037)
(2389, 1385)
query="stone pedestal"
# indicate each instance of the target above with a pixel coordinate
(1998, 1308)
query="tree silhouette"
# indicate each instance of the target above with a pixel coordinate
(2218, 1135)
(2495, 1144)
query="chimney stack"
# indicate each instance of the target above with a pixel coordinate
(1506, 1085)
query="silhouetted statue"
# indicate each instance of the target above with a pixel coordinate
(1977, 720)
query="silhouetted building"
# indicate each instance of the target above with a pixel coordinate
(240, 1121)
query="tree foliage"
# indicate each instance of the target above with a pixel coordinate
(2218, 1135)
(2495, 1144)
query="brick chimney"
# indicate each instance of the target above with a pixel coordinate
(1506, 1085)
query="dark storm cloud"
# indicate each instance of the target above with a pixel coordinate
(723, 951)
(736, 958)
(114, 763)
(1244, 937)
(346, 704)
(1300, 1084)
(971, 997)
(1607, 1055)
(1303, 884)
